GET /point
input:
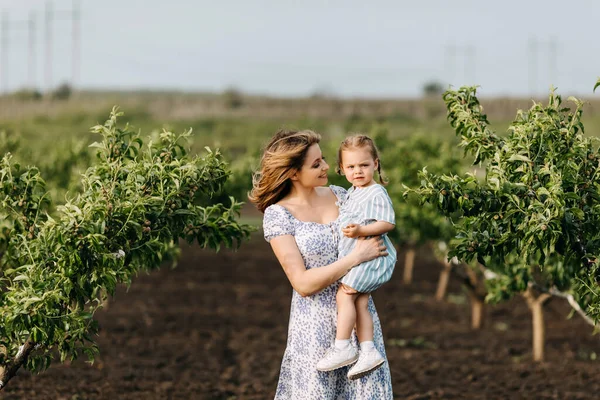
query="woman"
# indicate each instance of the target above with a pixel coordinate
(300, 217)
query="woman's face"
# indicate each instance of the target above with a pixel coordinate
(314, 170)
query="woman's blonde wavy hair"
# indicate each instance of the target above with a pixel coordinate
(283, 156)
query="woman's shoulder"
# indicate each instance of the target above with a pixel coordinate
(275, 209)
(336, 188)
(277, 221)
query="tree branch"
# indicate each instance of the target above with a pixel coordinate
(570, 299)
(12, 367)
(553, 291)
(574, 304)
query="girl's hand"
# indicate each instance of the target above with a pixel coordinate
(347, 289)
(369, 249)
(351, 231)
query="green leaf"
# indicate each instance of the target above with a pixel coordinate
(183, 212)
(519, 157)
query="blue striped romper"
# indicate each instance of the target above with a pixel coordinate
(364, 206)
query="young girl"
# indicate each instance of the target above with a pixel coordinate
(367, 211)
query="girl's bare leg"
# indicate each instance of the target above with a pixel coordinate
(364, 320)
(342, 353)
(370, 359)
(346, 313)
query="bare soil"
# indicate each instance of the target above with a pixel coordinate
(215, 328)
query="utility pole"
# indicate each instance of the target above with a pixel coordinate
(470, 65)
(48, 25)
(31, 64)
(50, 15)
(467, 55)
(6, 28)
(450, 63)
(532, 66)
(74, 15)
(552, 60)
(76, 49)
(4, 52)
(551, 47)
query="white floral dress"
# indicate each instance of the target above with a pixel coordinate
(313, 320)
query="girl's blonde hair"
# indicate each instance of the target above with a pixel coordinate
(283, 156)
(360, 142)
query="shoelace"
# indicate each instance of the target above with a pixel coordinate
(330, 353)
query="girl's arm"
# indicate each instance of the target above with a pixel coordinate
(310, 281)
(374, 229)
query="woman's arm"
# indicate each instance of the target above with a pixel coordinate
(374, 229)
(311, 281)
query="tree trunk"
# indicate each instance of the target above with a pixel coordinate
(105, 300)
(442, 287)
(476, 310)
(536, 305)
(9, 370)
(409, 262)
(477, 294)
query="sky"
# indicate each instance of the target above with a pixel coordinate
(347, 48)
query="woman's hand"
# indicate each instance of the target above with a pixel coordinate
(369, 249)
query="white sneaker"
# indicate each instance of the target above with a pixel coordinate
(335, 358)
(368, 362)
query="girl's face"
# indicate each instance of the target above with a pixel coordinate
(314, 170)
(359, 166)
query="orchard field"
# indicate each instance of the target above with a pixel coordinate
(215, 326)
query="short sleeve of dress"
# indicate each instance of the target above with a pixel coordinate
(277, 221)
(380, 207)
(339, 192)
